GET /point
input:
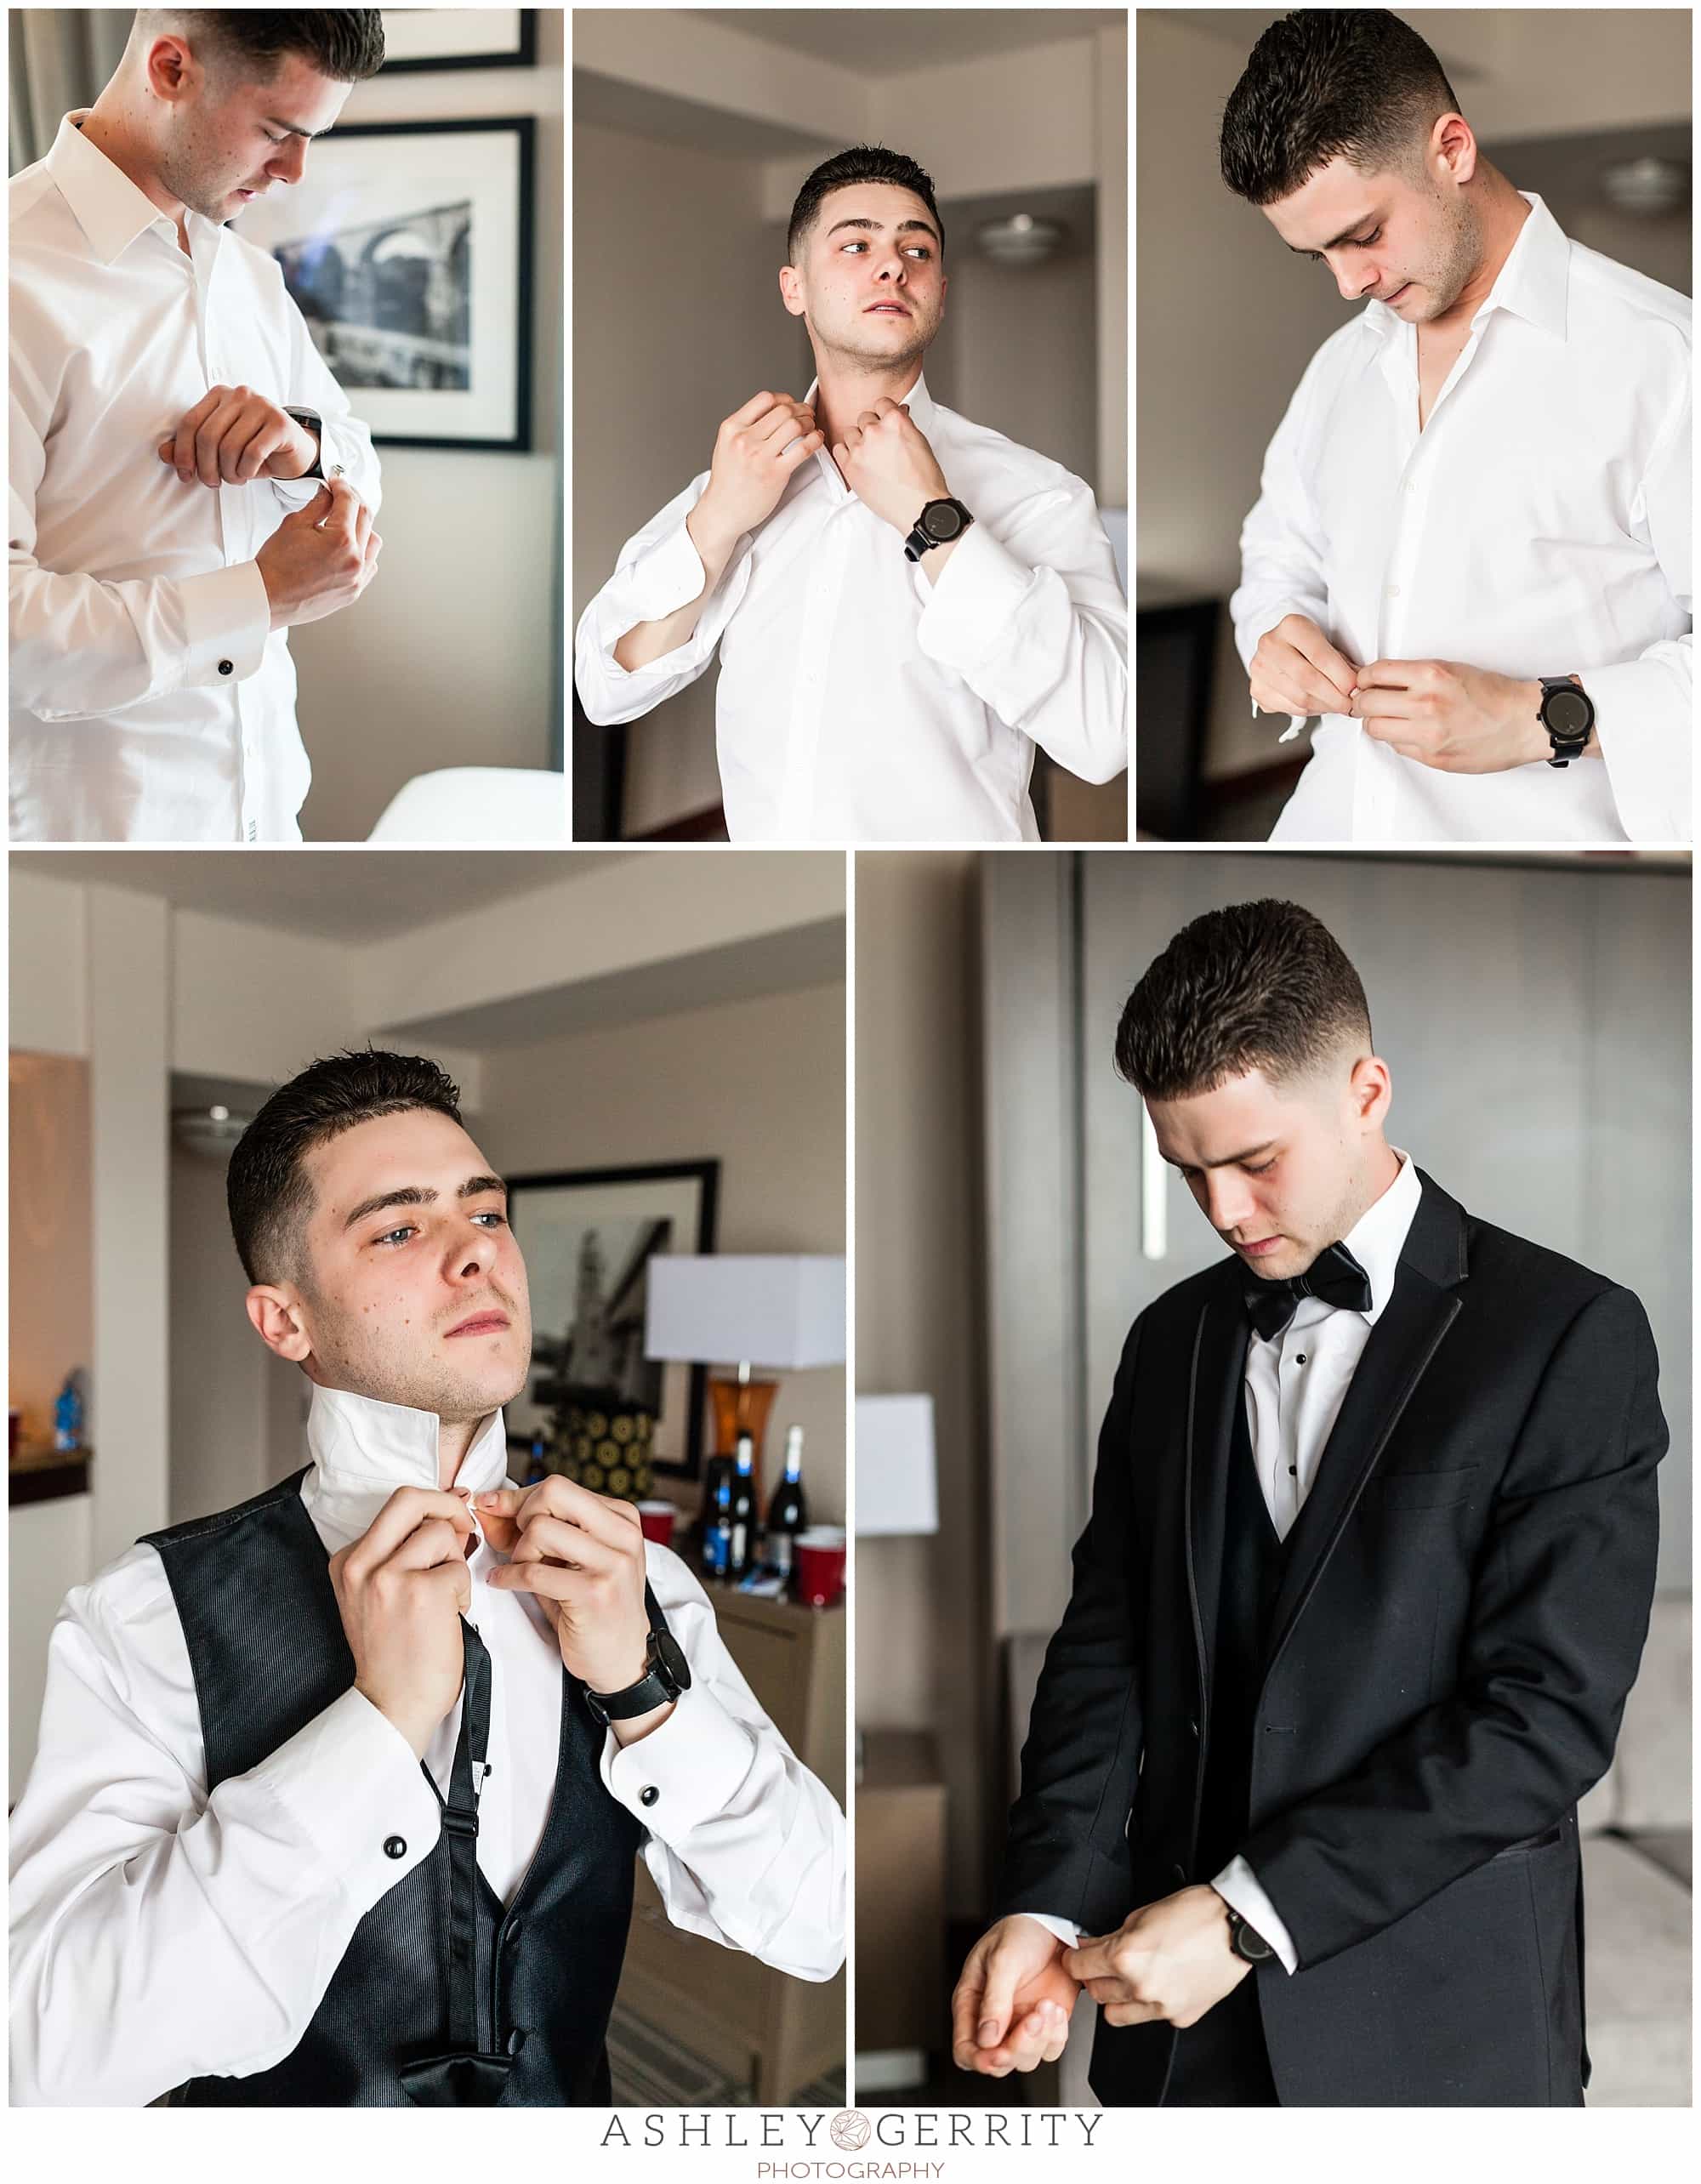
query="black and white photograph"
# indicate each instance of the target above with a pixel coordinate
(404, 250)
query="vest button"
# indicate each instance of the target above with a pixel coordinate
(516, 2040)
(649, 1793)
(1193, 1728)
(395, 1846)
(513, 1933)
(1180, 1873)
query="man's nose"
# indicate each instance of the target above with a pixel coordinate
(290, 160)
(474, 1254)
(1227, 1200)
(1353, 286)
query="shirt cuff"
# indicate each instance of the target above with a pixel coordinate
(351, 1785)
(684, 1772)
(1238, 1886)
(970, 613)
(1642, 719)
(667, 576)
(1066, 1930)
(226, 620)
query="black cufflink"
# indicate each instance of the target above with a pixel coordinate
(394, 1847)
(649, 1793)
(226, 667)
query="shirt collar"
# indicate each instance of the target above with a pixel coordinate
(1378, 1236)
(1533, 282)
(922, 408)
(363, 1450)
(110, 209)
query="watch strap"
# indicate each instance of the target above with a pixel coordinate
(652, 1689)
(310, 421)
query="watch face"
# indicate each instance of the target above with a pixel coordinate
(1567, 713)
(940, 521)
(671, 1660)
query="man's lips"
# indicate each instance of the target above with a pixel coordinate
(1255, 1250)
(480, 1323)
(899, 310)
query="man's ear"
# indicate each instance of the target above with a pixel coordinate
(274, 1313)
(1373, 1091)
(791, 291)
(1453, 142)
(169, 67)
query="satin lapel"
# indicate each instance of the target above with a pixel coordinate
(1402, 1344)
(1217, 1384)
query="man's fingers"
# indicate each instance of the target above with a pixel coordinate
(436, 1540)
(210, 438)
(1091, 1961)
(408, 1508)
(1310, 644)
(758, 406)
(244, 451)
(810, 444)
(611, 1521)
(363, 523)
(344, 509)
(553, 1538)
(998, 1998)
(183, 439)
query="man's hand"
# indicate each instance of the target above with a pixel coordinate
(756, 450)
(582, 1555)
(887, 462)
(232, 435)
(1457, 718)
(1296, 669)
(1011, 2007)
(401, 1588)
(1169, 1961)
(321, 558)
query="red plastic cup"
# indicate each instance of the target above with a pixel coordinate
(656, 1518)
(818, 1566)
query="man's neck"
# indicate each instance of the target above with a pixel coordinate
(1503, 212)
(455, 1436)
(845, 388)
(110, 126)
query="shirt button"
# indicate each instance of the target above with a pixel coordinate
(226, 667)
(649, 1793)
(1393, 591)
(394, 1847)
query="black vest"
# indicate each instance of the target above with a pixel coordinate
(1252, 1558)
(253, 1591)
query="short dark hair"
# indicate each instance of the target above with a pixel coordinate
(862, 163)
(1257, 986)
(344, 43)
(267, 1190)
(1323, 83)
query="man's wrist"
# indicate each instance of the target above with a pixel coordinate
(713, 539)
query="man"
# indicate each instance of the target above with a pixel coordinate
(1470, 556)
(906, 605)
(1365, 1584)
(187, 483)
(274, 1740)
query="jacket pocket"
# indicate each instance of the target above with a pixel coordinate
(1424, 1489)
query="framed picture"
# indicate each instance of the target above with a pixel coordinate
(408, 247)
(459, 37)
(588, 1235)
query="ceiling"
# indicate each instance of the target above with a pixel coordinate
(366, 895)
(867, 39)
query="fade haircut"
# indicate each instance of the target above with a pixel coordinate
(1323, 83)
(268, 1191)
(1257, 986)
(862, 163)
(346, 44)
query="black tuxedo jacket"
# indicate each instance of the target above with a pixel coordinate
(1463, 1609)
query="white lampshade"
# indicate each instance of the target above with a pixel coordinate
(897, 1487)
(784, 1314)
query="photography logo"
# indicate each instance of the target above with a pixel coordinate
(849, 2130)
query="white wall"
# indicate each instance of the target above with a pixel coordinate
(49, 1308)
(450, 657)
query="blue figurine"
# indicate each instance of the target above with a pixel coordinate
(68, 1413)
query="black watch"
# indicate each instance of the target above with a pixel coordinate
(1247, 1944)
(1568, 714)
(310, 421)
(666, 1673)
(938, 524)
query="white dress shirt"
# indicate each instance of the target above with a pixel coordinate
(150, 699)
(1296, 1385)
(860, 699)
(1539, 525)
(159, 1933)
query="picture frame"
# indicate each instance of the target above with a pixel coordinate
(588, 1235)
(419, 38)
(408, 247)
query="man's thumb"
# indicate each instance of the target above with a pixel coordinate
(317, 509)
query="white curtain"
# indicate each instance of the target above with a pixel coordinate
(59, 59)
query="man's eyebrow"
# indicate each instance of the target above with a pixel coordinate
(1228, 1160)
(414, 1194)
(1370, 220)
(293, 129)
(878, 227)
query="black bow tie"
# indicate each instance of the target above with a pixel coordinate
(1334, 1275)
